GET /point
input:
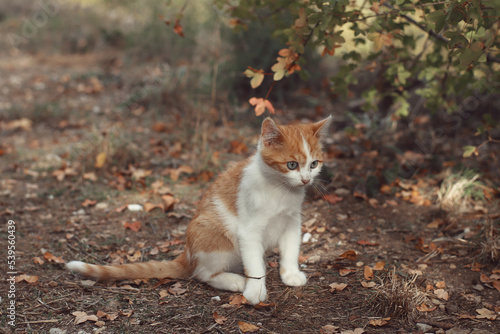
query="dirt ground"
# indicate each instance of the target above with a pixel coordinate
(381, 258)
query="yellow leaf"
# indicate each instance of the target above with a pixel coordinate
(100, 160)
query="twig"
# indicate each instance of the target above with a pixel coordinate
(40, 321)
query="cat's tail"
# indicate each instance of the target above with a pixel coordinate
(179, 268)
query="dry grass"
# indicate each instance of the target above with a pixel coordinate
(489, 241)
(398, 298)
(458, 191)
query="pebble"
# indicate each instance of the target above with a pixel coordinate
(135, 207)
(342, 192)
(306, 237)
(424, 327)
(216, 298)
(101, 206)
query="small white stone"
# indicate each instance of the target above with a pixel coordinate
(216, 298)
(306, 237)
(135, 207)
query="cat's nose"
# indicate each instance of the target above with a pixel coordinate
(305, 181)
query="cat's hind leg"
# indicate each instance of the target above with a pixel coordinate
(217, 269)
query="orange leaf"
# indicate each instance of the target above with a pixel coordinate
(237, 300)
(219, 318)
(496, 285)
(441, 285)
(349, 255)
(134, 226)
(425, 308)
(245, 327)
(89, 202)
(38, 260)
(332, 198)
(368, 273)
(52, 258)
(169, 202)
(178, 28)
(379, 266)
(261, 105)
(150, 206)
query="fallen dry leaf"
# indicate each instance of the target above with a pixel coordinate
(441, 285)
(355, 331)
(134, 226)
(496, 285)
(150, 206)
(425, 308)
(127, 313)
(260, 305)
(237, 300)
(168, 202)
(52, 258)
(176, 289)
(219, 318)
(100, 314)
(337, 287)
(379, 266)
(163, 293)
(349, 255)
(175, 173)
(328, 329)
(368, 284)
(26, 278)
(245, 327)
(441, 294)
(368, 273)
(81, 317)
(379, 322)
(345, 271)
(484, 313)
(332, 198)
(88, 202)
(38, 260)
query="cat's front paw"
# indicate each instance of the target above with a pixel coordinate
(255, 291)
(294, 278)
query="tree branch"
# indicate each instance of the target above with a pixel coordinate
(434, 34)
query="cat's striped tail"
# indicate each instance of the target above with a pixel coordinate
(178, 268)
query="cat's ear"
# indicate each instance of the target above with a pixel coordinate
(270, 133)
(320, 129)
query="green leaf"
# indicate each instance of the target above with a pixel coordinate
(471, 54)
(438, 18)
(469, 150)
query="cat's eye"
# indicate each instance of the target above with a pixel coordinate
(292, 165)
(314, 164)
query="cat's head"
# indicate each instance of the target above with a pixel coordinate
(293, 152)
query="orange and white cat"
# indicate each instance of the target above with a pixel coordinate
(251, 208)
